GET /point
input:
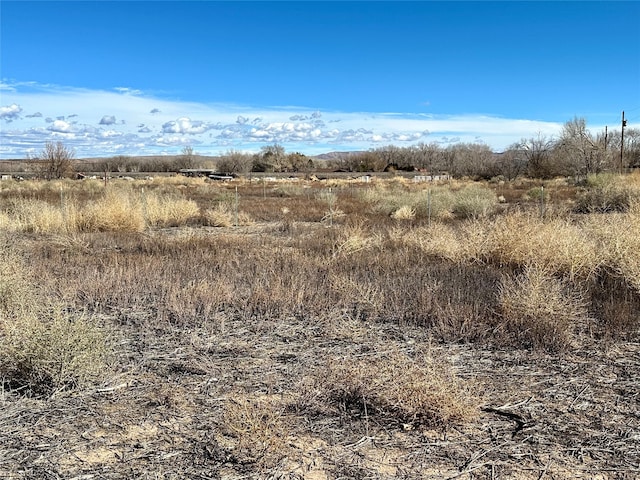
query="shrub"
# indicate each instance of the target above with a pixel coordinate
(415, 392)
(168, 210)
(619, 240)
(51, 351)
(43, 349)
(220, 216)
(357, 239)
(405, 212)
(539, 310)
(14, 287)
(607, 193)
(556, 245)
(118, 211)
(474, 201)
(258, 428)
(38, 216)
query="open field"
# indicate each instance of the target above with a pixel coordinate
(177, 328)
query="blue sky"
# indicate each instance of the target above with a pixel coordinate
(129, 78)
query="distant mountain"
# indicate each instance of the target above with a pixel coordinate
(334, 155)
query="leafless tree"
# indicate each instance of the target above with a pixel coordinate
(578, 150)
(427, 155)
(235, 162)
(55, 161)
(537, 152)
(187, 159)
(271, 158)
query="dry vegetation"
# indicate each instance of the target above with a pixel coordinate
(180, 329)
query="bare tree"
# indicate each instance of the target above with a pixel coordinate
(578, 150)
(427, 155)
(271, 159)
(511, 163)
(537, 152)
(235, 162)
(55, 161)
(298, 162)
(187, 159)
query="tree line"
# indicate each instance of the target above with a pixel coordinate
(575, 152)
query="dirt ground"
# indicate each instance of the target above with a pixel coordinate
(160, 416)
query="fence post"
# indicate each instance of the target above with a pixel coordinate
(429, 207)
(236, 207)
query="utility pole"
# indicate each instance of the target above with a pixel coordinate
(624, 124)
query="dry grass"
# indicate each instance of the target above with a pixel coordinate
(618, 236)
(412, 392)
(606, 192)
(289, 345)
(540, 310)
(43, 349)
(117, 211)
(51, 352)
(405, 212)
(556, 245)
(259, 428)
(14, 286)
(356, 239)
(168, 210)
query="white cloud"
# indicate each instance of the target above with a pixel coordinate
(128, 91)
(10, 112)
(60, 126)
(174, 140)
(108, 120)
(139, 124)
(185, 125)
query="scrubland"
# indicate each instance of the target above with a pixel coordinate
(177, 328)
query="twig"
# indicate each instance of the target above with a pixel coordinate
(545, 469)
(112, 389)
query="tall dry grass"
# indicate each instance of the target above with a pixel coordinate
(415, 391)
(438, 202)
(118, 209)
(540, 310)
(43, 349)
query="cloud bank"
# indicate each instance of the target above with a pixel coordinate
(137, 124)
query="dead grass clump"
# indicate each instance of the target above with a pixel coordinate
(436, 203)
(5, 221)
(223, 215)
(52, 351)
(405, 212)
(618, 236)
(467, 242)
(43, 349)
(168, 210)
(607, 193)
(118, 211)
(258, 428)
(38, 216)
(539, 310)
(14, 286)
(395, 387)
(439, 240)
(220, 216)
(554, 245)
(357, 239)
(474, 201)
